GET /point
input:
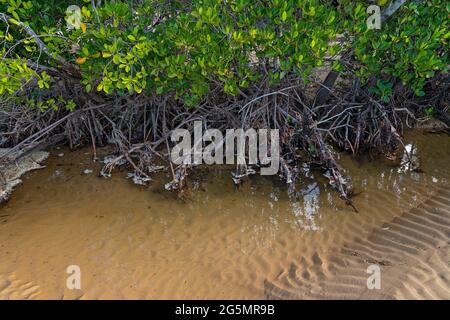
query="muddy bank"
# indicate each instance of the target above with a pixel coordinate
(11, 173)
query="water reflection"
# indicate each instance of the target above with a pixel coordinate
(306, 210)
(410, 159)
(217, 242)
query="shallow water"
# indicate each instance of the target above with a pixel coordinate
(219, 242)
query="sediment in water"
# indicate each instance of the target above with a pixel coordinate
(222, 242)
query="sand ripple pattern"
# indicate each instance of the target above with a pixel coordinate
(13, 288)
(419, 238)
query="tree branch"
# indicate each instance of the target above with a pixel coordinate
(35, 37)
(391, 9)
(328, 84)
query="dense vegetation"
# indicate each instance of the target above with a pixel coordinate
(189, 47)
(213, 58)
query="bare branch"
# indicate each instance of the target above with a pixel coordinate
(35, 37)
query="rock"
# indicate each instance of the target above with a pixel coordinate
(11, 172)
(432, 125)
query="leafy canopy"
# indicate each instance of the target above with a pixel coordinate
(189, 48)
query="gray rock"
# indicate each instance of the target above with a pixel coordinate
(432, 125)
(10, 173)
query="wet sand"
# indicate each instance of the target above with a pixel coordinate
(224, 243)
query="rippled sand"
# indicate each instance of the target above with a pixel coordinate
(221, 242)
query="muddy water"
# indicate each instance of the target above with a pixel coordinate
(221, 242)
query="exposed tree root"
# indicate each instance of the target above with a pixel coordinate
(140, 127)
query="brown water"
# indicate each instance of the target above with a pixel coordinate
(222, 242)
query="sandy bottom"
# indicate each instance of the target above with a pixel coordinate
(224, 243)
